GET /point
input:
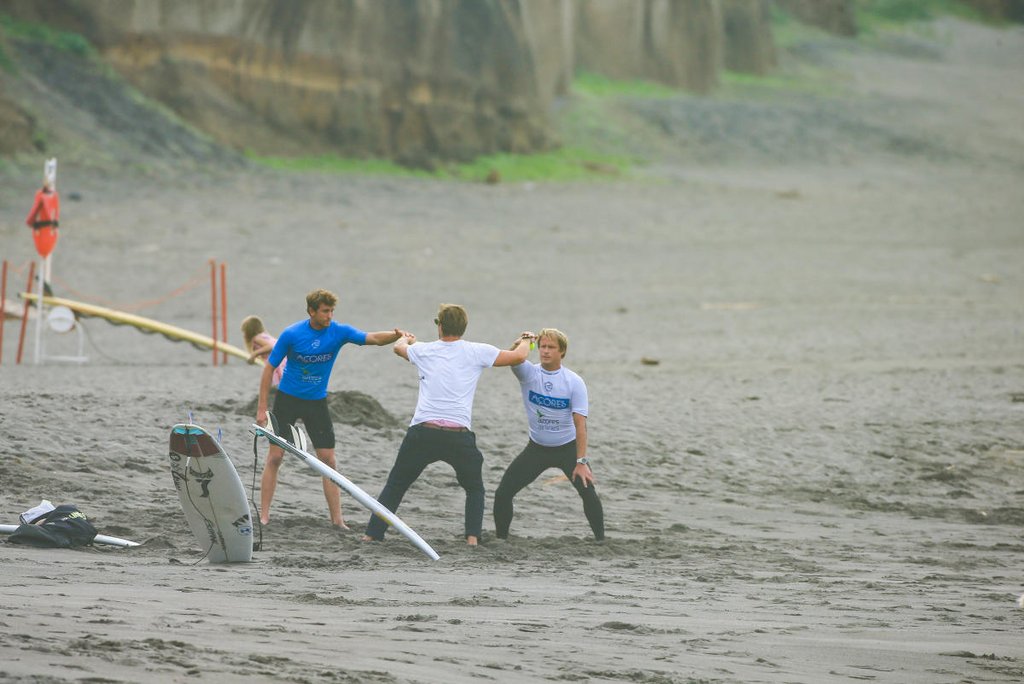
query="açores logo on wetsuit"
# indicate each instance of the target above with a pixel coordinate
(548, 402)
(313, 358)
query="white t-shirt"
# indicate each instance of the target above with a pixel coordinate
(551, 397)
(449, 372)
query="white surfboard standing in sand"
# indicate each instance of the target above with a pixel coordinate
(211, 494)
(343, 482)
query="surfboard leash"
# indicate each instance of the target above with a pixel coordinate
(258, 543)
(92, 343)
(188, 490)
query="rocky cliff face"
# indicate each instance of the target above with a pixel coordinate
(839, 16)
(675, 42)
(1005, 10)
(835, 16)
(16, 127)
(16, 124)
(746, 25)
(412, 80)
(680, 43)
(550, 28)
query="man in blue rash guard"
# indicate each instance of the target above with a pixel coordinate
(311, 348)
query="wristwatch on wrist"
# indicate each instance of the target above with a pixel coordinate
(583, 461)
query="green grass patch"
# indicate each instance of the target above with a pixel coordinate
(788, 31)
(565, 164)
(806, 81)
(875, 15)
(6, 63)
(872, 17)
(596, 85)
(65, 41)
(335, 164)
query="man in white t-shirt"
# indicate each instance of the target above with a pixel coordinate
(449, 369)
(556, 409)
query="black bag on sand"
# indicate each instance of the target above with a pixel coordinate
(64, 527)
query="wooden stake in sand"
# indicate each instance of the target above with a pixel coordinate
(3, 308)
(213, 306)
(39, 306)
(24, 314)
(224, 309)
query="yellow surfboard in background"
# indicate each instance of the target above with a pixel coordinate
(147, 325)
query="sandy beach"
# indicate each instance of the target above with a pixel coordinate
(816, 476)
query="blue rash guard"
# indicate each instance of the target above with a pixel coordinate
(311, 355)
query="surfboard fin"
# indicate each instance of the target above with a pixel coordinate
(272, 425)
(299, 438)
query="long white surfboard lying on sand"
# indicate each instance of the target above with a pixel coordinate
(357, 493)
(99, 539)
(211, 494)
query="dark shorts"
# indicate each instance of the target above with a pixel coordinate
(313, 413)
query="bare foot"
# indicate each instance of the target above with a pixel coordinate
(264, 521)
(471, 540)
(343, 527)
(367, 538)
